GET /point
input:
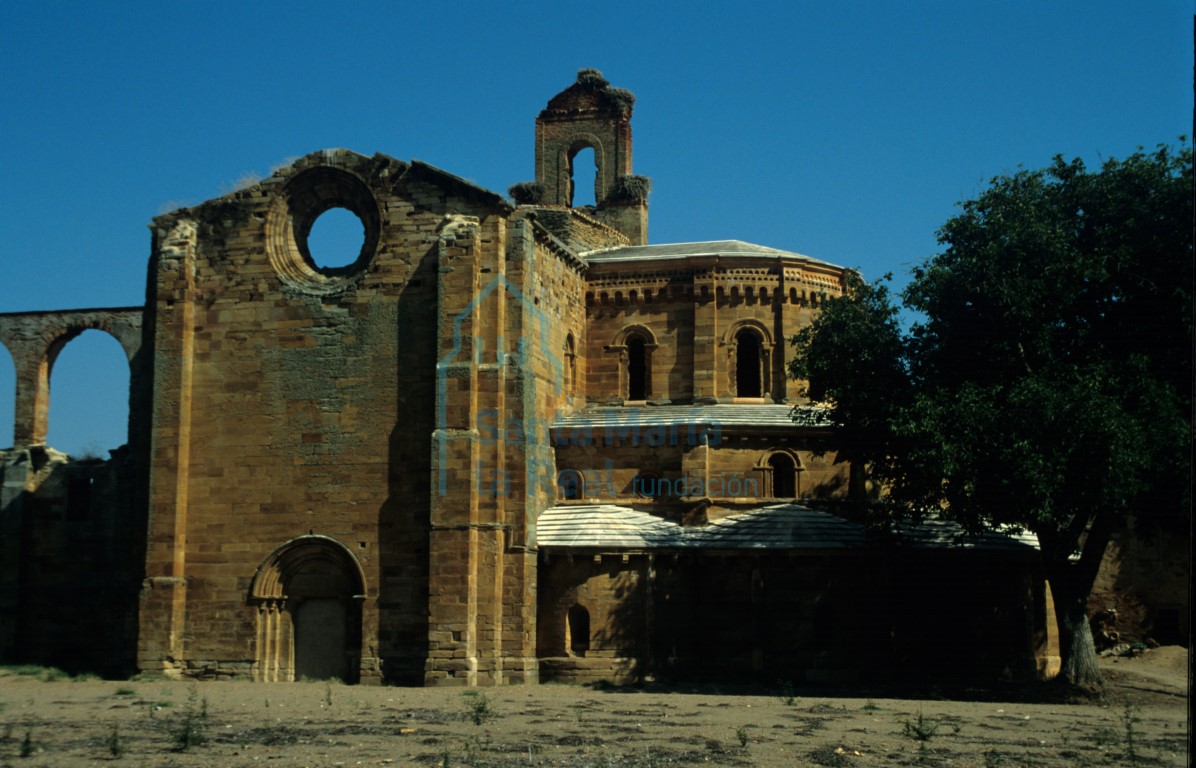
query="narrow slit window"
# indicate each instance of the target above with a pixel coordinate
(637, 369)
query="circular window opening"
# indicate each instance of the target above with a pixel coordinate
(336, 239)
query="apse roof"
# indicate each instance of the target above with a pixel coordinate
(719, 248)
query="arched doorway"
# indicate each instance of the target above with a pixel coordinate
(308, 597)
(577, 627)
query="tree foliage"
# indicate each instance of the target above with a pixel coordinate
(1047, 384)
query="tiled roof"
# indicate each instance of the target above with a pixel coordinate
(784, 526)
(624, 420)
(667, 251)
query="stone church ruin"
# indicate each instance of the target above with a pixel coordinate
(509, 442)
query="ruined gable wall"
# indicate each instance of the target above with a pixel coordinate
(291, 388)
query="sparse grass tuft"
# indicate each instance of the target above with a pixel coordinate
(113, 743)
(27, 745)
(45, 674)
(742, 734)
(788, 693)
(922, 729)
(871, 706)
(1130, 718)
(477, 707)
(189, 728)
(124, 691)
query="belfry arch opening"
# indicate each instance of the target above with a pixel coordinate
(583, 177)
(749, 374)
(88, 392)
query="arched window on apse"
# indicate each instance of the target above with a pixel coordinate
(569, 485)
(784, 476)
(637, 368)
(8, 397)
(748, 364)
(583, 175)
(577, 624)
(89, 395)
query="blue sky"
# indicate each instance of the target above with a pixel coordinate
(845, 131)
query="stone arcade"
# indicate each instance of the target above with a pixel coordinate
(508, 443)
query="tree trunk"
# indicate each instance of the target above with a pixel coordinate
(1071, 583)
(1076, 647)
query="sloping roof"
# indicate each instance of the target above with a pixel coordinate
(623, 422)
(719, 248)
(784, 526)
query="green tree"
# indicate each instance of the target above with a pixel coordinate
(1049, 374)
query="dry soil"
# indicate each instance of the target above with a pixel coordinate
(1141, 719)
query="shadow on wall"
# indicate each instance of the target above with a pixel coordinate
(71, 562)
(8, 397)
(402, 598)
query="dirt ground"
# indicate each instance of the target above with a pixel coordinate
(1142, 719)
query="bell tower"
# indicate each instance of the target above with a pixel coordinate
(590, 114)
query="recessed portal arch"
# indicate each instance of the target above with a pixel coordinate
(307, 596)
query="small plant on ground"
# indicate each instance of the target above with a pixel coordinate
(27, 745)
(921, 729)
(741, 733)
(871, 706)
(1130, 718)
(189, 729)
(124, 691)
(788, 693)
(327, 693)
(478, 707)
(113, 743)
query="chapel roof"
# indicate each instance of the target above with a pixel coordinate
(782, 526)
